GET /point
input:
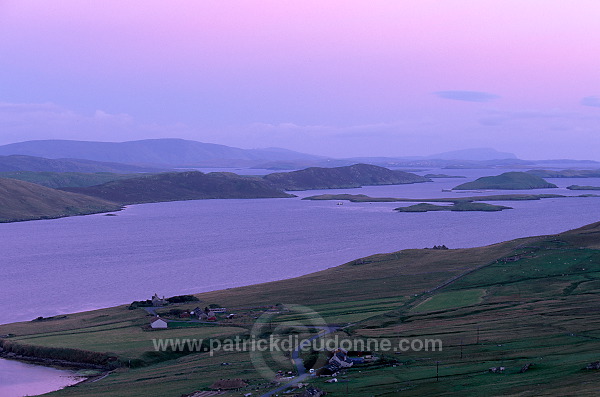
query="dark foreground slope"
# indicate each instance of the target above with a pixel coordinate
(352, 176)
(22, 201)
(527, 305)
(507, 181)
(175, 186)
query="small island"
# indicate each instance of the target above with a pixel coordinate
(363, 198)
(578, 187)
(472, 203)
(459, 206)
(566, 173)
(507, 181)
(434, 176)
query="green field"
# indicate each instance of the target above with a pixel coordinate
(451, 300)
(527, 301)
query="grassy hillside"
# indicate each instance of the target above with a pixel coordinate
(507, 181)
(527, 301)
(177, 186)
(14, 163)
(356, 175)
(66, 179)
(22, 201)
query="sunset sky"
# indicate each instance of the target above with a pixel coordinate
(338, 78)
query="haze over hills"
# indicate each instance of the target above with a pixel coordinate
(172, 152)
(21, 201)
(476, 154)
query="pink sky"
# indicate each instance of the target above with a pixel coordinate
(340, 78)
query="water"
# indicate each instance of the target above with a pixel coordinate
(58, 266)
(18, 379)
(72, 264)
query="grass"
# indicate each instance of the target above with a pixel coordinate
(530, 300)
(450, 300)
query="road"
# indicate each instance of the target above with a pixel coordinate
(299, 363)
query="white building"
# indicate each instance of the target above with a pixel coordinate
(158, 323)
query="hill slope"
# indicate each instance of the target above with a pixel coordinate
(175, 186)
(527, 305)
(352, 176)
(22, 201)
(507, 181)
(172, 152)
(14, 163)
(65, 179)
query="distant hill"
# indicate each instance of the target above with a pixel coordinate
(566, 173)
(38, 164)
(352, 176)
(478, 154)
(171, 152)
(507, 181)
(176, 186)
(22, 201)
(65, 179)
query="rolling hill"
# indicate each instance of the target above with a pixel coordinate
(170, 152)
(175, 186)
(516, 318)
(15, 163)
(507, 181)
(65, 179)
(352, 176)
(22, 201)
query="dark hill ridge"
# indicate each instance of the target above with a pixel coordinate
(507, 181)
(15, 163)
(352, 176)
(175, 186)
(23, 201)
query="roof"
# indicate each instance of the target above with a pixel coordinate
(156, 319)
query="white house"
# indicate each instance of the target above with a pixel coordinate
(158, 323)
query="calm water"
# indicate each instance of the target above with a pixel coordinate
(18, 379)
(79, 263)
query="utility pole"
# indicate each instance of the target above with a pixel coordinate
(461, 349)
(437, 371)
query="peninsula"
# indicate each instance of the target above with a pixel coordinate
(353, 176)
(23, 201)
